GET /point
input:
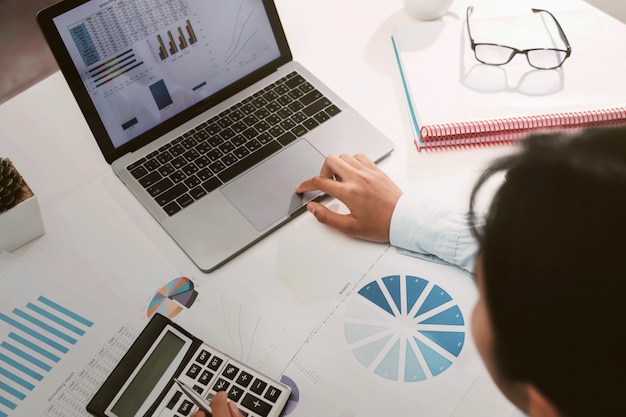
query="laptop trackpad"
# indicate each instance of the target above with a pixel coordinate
(266, 193)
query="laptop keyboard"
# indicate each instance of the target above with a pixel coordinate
(202, 159)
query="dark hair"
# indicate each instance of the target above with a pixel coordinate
(554, 265)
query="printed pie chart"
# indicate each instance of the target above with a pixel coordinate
(294, 398)
(404, 328)
(172, 298)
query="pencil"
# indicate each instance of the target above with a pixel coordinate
(196, 398)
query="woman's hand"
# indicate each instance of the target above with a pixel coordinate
(221, 406)
(368, 192)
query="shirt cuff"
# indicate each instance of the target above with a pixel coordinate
(428, 230)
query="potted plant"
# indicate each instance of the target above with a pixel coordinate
(20, 218)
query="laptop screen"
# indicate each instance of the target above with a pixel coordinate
(143, 62)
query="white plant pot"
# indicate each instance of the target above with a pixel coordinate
(20, 225)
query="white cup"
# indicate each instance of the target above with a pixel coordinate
(427, 9)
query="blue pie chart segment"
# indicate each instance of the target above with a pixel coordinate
(404, 328)
(374, 293)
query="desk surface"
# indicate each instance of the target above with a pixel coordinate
(296, 285)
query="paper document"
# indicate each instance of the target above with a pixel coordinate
(401, 339)
(55, 349)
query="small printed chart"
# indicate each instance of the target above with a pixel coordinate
(404, 328)
(172, 298)
(292, 403)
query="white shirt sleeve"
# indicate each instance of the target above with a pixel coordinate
(425, 229)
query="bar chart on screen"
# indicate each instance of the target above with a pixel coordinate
(176, 40)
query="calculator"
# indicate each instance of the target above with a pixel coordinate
(142, 383)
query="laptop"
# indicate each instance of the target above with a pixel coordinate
(203, 114)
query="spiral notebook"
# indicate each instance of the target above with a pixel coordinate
(455, 101)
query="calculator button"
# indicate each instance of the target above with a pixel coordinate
(235, 393)
(205, 377)
(221, 385)
(198, 389)
(244, 379)
(256, 404)
(174, 400)
(193, 371)
(203, 357)
(215, 363)
(185, 407)
(272, 394)
(258, 386)
(230, 371)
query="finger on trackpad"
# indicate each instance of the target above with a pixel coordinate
(267, 194)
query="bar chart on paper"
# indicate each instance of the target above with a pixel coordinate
(404, 328)
(34, 338)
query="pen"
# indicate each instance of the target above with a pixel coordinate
(196, 398)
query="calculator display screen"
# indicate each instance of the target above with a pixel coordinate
(148, 376)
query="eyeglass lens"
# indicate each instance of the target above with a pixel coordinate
(493, 54)
(546, 58)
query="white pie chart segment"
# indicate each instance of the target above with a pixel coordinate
(404, 328)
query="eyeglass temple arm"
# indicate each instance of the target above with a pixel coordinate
(468, 12)
(561, 32)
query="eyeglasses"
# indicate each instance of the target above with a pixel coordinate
(540, 58)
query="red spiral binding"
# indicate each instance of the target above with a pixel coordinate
(507, 130)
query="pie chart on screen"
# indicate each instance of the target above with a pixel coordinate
(172, 298)
(404, 328)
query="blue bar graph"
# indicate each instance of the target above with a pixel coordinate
(7, 403)
(12, 391)
(16, 379)
(30, 358)
(57, 320)
(20, 367)
(50, 329)
(34, 333)
(34, 347)
(38, 337)
(65, 311)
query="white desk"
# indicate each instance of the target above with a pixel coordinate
(105, 248)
